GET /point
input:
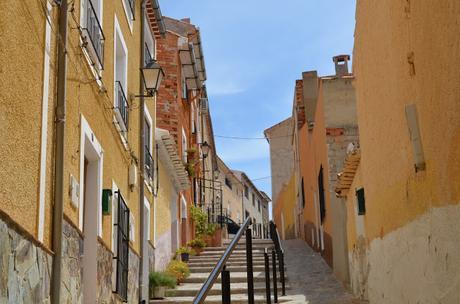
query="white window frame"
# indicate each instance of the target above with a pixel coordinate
(183, 207)
(184, 146)
(119, 33)
(192, 114)
(149, 38)
(127, 14)
(147, 206)
(150, 122)
(114, 217)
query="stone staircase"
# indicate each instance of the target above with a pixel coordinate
(201, 266)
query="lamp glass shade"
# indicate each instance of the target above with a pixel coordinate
(153, 75)
(205, 148)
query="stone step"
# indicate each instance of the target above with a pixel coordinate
(229, 263)
(241, 247)
(217, 299)
(234, 253)
(214, 259)
(231, 268)
(190, 290)
(236, 277)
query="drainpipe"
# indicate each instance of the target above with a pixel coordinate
(143, 263)
(60, 151)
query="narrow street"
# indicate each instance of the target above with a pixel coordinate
(311, 280)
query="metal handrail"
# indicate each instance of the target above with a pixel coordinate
(122, 103)
(202, 294)
(274, 235)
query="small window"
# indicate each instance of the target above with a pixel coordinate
(361, 201)
(303, 194)
(253, 199)
(228, 182)
(258, 204)
(322, 200)
(246, 191)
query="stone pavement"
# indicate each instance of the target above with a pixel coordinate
(310, 278)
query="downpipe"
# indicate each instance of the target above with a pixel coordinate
(59, 154)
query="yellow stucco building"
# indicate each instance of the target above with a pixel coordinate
(404, 201)
(76, 136)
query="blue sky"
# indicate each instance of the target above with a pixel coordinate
(254, 51)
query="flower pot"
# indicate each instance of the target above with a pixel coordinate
(184, 257)
(198, 250)
(158, 292)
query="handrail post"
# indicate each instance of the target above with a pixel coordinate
(250, 274)
(275, 285)
(281, 265)
(226, 297)
(267, 277)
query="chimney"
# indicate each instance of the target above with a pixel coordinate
(341, 65)
(186, 20)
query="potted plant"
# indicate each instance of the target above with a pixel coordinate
(197, 244)
(178, 270)
(158, 282)
(184, 253)
(209, 235)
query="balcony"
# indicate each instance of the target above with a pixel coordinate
(122, 250)
(121, 108)
(148, 165)
(93, 36)
(147, 55)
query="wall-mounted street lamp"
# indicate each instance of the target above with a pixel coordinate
(205, 149)
(152, 74)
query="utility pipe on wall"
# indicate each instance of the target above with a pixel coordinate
(60, 152)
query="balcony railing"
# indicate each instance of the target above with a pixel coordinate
(147, 55)
(121, 108)
(122, 248)
(94, 35)
(148, 165)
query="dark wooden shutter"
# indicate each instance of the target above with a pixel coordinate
(322, 202)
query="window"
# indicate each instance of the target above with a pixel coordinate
(322, 203)
(121, 80)
(92, 34)
(228, 182)
(258, 205)
(184, 89)
(129, 11)
(361, 201)
(303, 194)
(149, 163)
(122, 226)
(253, 199)
(192, 118)
(149, 47)
(184, 146)
(246, 191)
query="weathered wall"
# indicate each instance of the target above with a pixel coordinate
(281, 155)
(284, 210)
(410, 215)
(25, 269)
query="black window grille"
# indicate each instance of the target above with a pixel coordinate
(121, 106)
(303, 194)
(322, 202)
(361, 201)
(93, 34)
(122, 248)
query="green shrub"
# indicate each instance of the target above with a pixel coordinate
(161, 279)
(178, 269)
(197, 243)
(200, 220)
(183, 250)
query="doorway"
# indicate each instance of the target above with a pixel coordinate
(90, 214)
